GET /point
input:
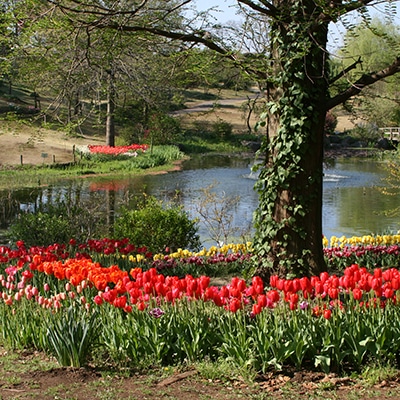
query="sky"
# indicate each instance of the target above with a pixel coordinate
(228, 12)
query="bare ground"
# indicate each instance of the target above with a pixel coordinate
(32, 375)
(21, 144)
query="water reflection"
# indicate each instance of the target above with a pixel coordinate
(351, 203)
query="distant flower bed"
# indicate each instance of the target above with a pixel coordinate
(118, 150)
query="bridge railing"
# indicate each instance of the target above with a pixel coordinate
(391, 133)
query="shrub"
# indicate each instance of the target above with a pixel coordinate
(222, 129)
(331, 122)
(39, 229)
(163, 129)
(58, 223)
(157, 226)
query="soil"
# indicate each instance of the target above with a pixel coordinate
(32, 375)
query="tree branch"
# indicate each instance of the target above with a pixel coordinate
(335, 9)
(345, 71)
(269, 9)
(99, 9)
(183, 37)
(365, 80)
(353, 5)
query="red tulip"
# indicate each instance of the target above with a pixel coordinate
(262, 300)
(327, 314)
(257, 308)
(377, 273)
(288, 286)
(388, 293)
(256, 280)
(357, 294)
(376, 283)
(294, 298)
(235, 305)
(273, 296)
(319, 287)
(324, 276)
(273, 281)
(242, 285)
(204, 282)
(333, 293)
(296, 285)
(305, 284)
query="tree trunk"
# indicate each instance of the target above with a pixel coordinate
(110, 125)
(288, 222)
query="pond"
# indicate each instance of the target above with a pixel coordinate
(352, 205)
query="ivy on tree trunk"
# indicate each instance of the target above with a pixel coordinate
(288, 221)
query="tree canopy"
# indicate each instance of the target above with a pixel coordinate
(372, 46)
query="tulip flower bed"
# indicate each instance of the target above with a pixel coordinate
(108, 299)
(369, 251)
(118, 150)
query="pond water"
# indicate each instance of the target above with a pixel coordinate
(352, 205)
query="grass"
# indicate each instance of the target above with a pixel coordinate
(28, 176)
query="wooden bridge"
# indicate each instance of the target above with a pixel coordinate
(391, 133)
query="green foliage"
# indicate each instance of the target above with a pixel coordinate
(156, 156)
(143, 125)
(367, 134)
(162, 129)
(271, 340)
(58, 223)
(222, 129)
(72, 333)
(373, 45)
(206, 137)
(179, 333)
(157, 226)
(40, 228)
(153, 157)
(207, 69)
(23, 330)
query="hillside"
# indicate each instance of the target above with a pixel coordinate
(34, 145)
